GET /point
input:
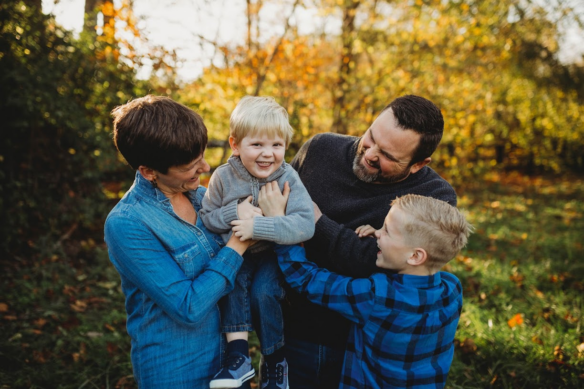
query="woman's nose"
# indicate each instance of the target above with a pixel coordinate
(206, 167)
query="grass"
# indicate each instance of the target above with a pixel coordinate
(62, 315)
(523, 278)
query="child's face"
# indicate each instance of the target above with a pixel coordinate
(261, 155)
(394, 252)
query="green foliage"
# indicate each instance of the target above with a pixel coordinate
(55, 146)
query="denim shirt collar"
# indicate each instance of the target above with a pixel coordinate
(148, 192)
(237, 165)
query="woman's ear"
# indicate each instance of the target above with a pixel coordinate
(234, 147)
(147, 173)
(418, 257)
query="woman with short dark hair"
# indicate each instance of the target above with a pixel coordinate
(173, 270)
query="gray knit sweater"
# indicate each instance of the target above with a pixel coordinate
(231, 183)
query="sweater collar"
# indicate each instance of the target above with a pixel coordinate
(237, 165)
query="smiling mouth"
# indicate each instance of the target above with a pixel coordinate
(373, 165)
(264, 164)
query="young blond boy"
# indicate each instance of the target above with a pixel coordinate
(259, 135)
(405, 316)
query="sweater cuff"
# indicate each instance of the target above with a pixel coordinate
(229, 212)
(264, 229)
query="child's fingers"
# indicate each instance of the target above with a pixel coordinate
(360, 229)
(364, 230)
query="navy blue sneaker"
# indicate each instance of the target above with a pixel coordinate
(236, 371)
(275, 378)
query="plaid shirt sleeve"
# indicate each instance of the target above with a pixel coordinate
(352, 298)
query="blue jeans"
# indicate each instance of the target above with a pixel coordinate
(254, 302)
(313, 366)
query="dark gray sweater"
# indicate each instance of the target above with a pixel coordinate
(325, 166)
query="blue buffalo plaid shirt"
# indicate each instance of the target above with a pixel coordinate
(404, 325)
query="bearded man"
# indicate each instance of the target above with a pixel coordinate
(352, 182)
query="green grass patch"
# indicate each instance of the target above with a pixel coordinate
(523, 279)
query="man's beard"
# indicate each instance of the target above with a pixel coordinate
(378, 178)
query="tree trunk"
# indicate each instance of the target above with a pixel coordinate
(92, 9)
(90, 19)
(347, 64)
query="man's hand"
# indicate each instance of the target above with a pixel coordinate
(243, 229)
(245, 210)
(365, 230)
(317, 212)
(273, 202)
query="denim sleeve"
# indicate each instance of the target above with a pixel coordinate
(353, 298)
(298, 224)
(141, 259)
(216, 216)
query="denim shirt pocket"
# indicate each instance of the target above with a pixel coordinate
(189, 258)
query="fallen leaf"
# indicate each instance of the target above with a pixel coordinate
(516, 320)
(3, 307)
(537, 340)
(40, 322)
(79, 306)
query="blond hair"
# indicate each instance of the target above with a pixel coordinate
(435, 226)
(256, 115)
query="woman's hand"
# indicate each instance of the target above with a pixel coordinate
(273, 202)
(238, 245)
(245, 209)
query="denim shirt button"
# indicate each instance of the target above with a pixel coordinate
(212, 255)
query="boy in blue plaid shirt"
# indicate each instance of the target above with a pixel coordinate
(405, 316)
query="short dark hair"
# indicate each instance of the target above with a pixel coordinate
(158, 132)
(421, 116)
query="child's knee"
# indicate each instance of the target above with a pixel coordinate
(264, 292)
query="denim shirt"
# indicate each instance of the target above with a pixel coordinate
(173, 273)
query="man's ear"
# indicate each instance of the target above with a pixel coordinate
(418, 165)
(147, 173)
(234, 147)
(418, 257)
